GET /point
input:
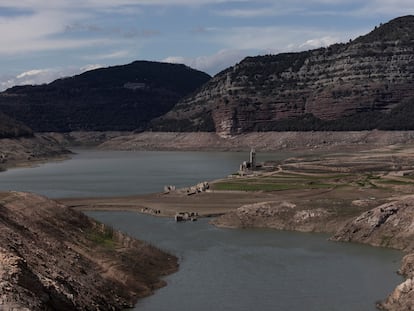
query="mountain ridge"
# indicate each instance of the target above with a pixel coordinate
(124, 97)
(360, 85)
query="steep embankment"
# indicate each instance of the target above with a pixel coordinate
(28, 150)
(115, 98)
(264, 141)
(363, 84)
(54, 258)
(388, 225)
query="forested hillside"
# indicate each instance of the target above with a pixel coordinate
(116, 98)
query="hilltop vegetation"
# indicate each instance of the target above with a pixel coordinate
(116, 98)
(10, 128)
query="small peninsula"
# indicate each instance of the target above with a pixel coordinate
(54, 258)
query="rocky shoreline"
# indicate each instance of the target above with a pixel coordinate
(54, 258)
(389, 225)
(25, 151)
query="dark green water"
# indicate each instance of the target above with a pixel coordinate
(220, 269)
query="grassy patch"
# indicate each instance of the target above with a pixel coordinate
(397, 182)
(386, 240)
(103, 236)
(262, 186)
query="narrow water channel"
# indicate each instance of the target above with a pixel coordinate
(227, 269)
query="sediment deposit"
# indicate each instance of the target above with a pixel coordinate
(261, 141)
(29, 150)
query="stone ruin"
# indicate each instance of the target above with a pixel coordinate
(248, 166)
(200, 187)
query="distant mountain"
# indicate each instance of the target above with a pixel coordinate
(367, 83)
(116, 98)
(10, 128)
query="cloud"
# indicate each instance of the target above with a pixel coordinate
(386, 8)
(354, 8)
(252, 41)
(319, 42)
(248, 13)
(278, 39)
(39, 32)
(111, 55)
(211, 64)
(111, 31)
(106, 4)
(41, 76)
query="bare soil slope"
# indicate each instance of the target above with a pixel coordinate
(54, 258)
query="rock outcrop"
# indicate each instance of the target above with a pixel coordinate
(54, 258)
(363, 84)
(389, 225)
(280, 216)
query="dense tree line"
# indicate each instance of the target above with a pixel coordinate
(116, 98)
(10, 128)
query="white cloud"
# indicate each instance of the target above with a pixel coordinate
(211, 64)
(319, 42)
(30, 73)
(278, 39)
(259, 40)
(90, 67)
(41, 76)
(39, 32)
(111, 55)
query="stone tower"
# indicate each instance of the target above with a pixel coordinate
(252, 159)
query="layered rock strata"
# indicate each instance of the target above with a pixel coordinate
(355, 83)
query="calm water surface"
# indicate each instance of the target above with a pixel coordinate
(225, 269)
(219, 269)
(119, 173)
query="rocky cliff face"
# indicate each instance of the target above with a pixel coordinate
(389, 225)
(362, 80)
(53, 258)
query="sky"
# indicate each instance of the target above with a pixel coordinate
(42, 40)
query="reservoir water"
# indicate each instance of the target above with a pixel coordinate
(220, 269)
(266, 270)
(119, 173)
